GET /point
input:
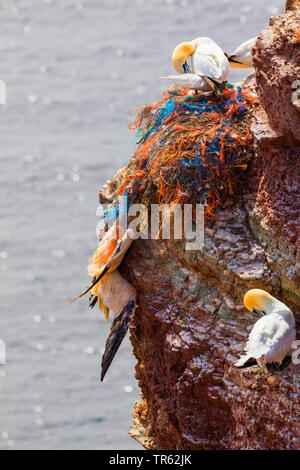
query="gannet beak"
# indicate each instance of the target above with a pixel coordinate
(260, 313)
(186, 67)
(235, 64)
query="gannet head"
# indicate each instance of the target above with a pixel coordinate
(258, 301)
(180, 55)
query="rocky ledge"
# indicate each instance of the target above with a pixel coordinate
(191, 325)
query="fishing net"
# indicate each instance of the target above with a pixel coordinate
(191, 148)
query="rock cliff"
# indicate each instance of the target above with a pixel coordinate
(191, 325)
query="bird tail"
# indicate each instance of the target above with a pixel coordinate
(116, 335)
(216, 84)
(242, 361)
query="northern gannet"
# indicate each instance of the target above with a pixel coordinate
(208, 69)
(242, 58)
(111, 291)
(273, 334)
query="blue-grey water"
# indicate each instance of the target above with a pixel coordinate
(75, 71)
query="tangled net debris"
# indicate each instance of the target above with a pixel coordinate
(190, 148)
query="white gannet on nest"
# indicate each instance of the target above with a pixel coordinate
(273, 334)
(208, 69)
(241, 57)
(111, 290)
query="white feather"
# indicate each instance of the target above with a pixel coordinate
(209, 59)
(188, 80)
(272, 335)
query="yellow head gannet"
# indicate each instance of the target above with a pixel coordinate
(242, 58)
(208, 68)
(111, 290)
(273, 334)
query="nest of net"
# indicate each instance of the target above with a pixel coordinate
(191, 149)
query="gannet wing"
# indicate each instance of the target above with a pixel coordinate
(116, 335)
(113, 262)
(205, 65)
(187, 80)
(214, 75)
(119, 252)
(116, 258)
(119, 296)
(266, 335)
(207, 47)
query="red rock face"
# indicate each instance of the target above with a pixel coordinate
(276, 127)
(276, 57)
(188, 331)
(292, 5)
(191, 325)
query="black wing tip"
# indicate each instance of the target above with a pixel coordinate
(116, 335)
(95, 281)
(216, 84)
(222, 87)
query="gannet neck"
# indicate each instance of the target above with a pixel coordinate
(241, 57)
(281, 309)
